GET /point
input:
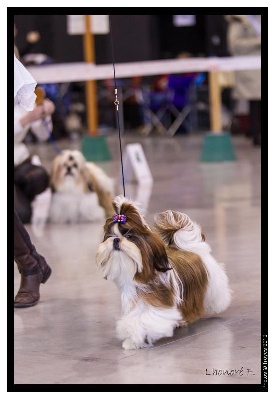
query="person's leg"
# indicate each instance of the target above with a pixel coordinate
(22, 205)
(29, 181)
(32, 266)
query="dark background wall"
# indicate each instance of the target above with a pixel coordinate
(135, 38)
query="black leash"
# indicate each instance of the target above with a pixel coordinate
(116, 102)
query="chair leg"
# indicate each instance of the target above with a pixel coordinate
(155, 122)
(179, 120)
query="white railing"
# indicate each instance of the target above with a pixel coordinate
(82, 71)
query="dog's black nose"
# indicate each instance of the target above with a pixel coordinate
(116, 242)
(69, 168)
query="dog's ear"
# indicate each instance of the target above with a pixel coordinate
(154, 257)
(55, 173)
(161, 262)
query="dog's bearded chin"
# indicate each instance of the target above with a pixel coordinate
(121, 265)
(69, 184)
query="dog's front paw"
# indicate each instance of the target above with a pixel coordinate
(128, 344)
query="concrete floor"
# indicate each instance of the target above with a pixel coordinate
(69, 336)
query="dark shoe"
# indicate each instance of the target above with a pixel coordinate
(32, 266)
(28, 294)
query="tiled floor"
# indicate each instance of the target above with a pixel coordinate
(69, 336)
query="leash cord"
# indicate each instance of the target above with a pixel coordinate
(116, 103)
(50, 135)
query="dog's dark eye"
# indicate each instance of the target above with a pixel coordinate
(75, 165)
(128, 236)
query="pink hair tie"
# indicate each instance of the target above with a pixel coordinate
(120, 218)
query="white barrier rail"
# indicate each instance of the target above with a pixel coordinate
(82, 71)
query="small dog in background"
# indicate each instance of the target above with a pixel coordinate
(167, 277)
(82, 192)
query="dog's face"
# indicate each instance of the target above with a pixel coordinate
(130, 249)
(69, 173)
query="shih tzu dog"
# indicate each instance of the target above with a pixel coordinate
(82, 192)
(167, 276)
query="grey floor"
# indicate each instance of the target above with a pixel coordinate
(69, 336)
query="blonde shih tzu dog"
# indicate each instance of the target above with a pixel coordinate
(168, 277)
(81, 191)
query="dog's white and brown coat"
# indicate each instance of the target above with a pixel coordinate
(82, 192)
(167, 276)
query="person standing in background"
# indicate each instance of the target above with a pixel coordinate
(244, 38)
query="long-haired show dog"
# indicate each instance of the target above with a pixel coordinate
(167, 276)
(82, 192)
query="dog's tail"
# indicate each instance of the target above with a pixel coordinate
(103, 186)
(178, 229)
(104, 182)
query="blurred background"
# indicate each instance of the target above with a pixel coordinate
(156, 37)
(51, 39)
